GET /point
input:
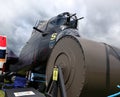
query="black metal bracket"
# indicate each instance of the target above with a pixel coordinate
(52, 90)
(43, 32)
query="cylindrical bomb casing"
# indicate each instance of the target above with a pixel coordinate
(90, 69)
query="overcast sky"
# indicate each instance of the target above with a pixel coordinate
(101, 22)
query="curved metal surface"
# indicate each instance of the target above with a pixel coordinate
(68, 54)
(90, 69)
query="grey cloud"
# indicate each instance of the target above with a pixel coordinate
(16, 20)
(101, 23)
(18, 17)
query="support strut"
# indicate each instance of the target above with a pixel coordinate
(57, 82)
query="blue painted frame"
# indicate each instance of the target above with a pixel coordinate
(116, 94)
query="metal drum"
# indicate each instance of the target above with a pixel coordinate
(90, 69)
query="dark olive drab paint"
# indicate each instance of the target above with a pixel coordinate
(90, 69)
(101, 67)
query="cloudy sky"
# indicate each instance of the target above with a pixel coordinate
(101, 22)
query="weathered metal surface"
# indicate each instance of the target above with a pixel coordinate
(90, 69)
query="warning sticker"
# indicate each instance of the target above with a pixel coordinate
(55, 74)
(25, 93)
(53, 36)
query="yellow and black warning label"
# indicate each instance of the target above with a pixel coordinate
(53, 36)
(55, 74)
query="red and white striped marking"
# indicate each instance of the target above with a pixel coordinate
(3, 44)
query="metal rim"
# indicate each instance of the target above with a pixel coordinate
(69, 55)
